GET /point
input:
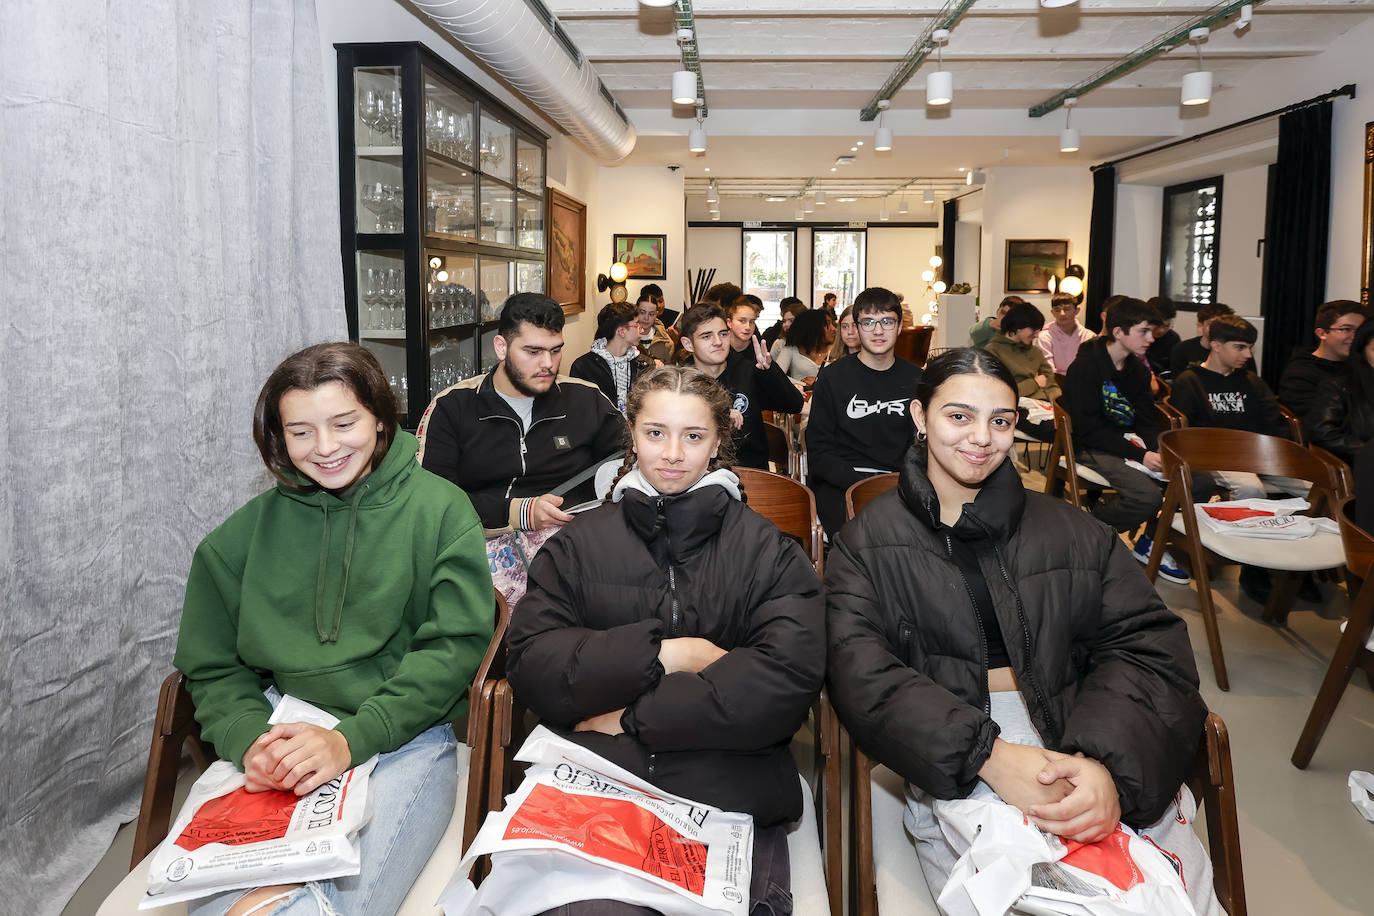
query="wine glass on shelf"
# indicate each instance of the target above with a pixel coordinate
(372, 291)
(394, 107)
(368, 110)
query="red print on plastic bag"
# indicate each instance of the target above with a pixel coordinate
(1109, 858)
(611, 829)
(240, 817)
(1235, 513)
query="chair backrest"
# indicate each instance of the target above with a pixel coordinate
(779, 450)
(1236, 450)
(1162, 389)
(1294, 425)
(786, 503)
(913, 345)
(866, 490)
(1358, 543)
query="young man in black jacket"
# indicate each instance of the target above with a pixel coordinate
(1337, 322)
(1107, 395)
(614, 361)
(1194, 349)
(751, 378)
(512, 435)
(859, 409)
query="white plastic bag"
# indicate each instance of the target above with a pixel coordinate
(225, 837)
(1007, 860)
(1361, 788)
(1275, 519)
(581, 828)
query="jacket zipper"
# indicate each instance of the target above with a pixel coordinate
(1025, 632)
(523, 450)
(982, 634)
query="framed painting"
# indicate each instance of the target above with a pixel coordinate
(643, 255)
(1367, 250)
(1032, 262)
(567, 222)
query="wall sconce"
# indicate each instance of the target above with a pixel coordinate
(615, 282)
(1072, 284)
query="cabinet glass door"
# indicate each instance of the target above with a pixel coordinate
(377, 128)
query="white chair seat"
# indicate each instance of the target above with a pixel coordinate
(1086, 474)
(124, 899)
(1322, 550)
(809, 896)
(902, 888)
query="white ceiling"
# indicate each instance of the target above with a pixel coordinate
(785, 79)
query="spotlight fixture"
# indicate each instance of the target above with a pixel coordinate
(976, 176)
(1197, 86)
(846, 200)
(820, 198)
(928, 196)
(1247, 12)
(1053, 4)
(657, 2)
(774, 199)
(808, 206)
(882, 212)
(696, 138)
(940, 84)
(903, 208)
(882, 137)
(801, 214)
(1068, 137)
(712, 193)
(715, 216)
(684, 87)
(858, 143)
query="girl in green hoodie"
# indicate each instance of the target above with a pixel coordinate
(359, 583)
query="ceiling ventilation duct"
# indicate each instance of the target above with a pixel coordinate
(526, 46)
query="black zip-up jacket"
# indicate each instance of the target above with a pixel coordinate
(471, 436)
(1338, 420)
(1303, 375)
(621, 578)
(592, 367)
(1105, 402)
(753, 391)
(1104, 666)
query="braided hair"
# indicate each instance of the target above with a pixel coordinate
(681, 380)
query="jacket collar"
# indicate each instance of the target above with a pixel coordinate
(675, 527)
(994, 513)
(490, 402)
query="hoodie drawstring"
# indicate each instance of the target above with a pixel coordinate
(321, 578)
(330, 633)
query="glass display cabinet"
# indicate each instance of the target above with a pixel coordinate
(442, 203)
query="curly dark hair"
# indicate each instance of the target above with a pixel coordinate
(808, 329)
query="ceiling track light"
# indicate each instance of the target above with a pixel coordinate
(657, 2)
(903, 208)
(684, 87)
(1056, 4)
(1068, 137)
(696, 138)
(1247, 13)
(928, 196)
(882, 212)
(712, 193)
(820, 198)
(940, 84)
(882, 137)
(1197, 86)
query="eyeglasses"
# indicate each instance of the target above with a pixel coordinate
(886, 324)
(1343, 329)
(1063, 308)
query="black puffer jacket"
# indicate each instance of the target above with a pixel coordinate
(1105, 667)
(605, 591)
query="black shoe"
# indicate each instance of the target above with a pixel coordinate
(1310, 591)
(1254, 582)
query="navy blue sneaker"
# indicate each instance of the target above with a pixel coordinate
(1168, 566)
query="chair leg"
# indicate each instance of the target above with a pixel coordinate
(1350, 651)
(1281, 598)
(1203, 586)
(863, 884)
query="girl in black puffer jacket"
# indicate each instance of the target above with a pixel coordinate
(982, 637)
(675, 631)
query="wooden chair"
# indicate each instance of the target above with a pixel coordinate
(780, 453)
(1189, 451)
(791, 507)
(1211, 782)
(1294, 425)
(913, 345)
(174, 727)
(1062, 472)
(1350, 651)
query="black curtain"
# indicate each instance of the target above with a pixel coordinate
(947, 243)
(1295, 233)
(1101, 236)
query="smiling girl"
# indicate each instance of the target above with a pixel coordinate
(987, 641)
(359, 583)
(675, 631)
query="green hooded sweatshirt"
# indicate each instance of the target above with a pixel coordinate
(377, 607)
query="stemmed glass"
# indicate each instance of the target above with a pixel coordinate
(369, 109)
(372, 292)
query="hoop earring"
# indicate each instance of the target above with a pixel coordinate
(920, 435)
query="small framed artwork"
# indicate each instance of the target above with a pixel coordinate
(1032, 262)
(567, 224)
(643, 255)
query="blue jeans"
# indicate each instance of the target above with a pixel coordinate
(413, 791)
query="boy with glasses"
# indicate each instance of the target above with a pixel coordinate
(1337, 322)
(1062, 337)
(860, 424)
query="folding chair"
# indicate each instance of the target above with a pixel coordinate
(877, 800)
(175, 728)
(1189, 451)
(1350, 651)
(791, 508)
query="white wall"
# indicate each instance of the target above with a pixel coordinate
(1032, 203)
(638, 201)
(1243, 196)
(719, 248)
(896, 257)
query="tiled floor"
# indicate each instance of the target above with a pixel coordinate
(1306, 849)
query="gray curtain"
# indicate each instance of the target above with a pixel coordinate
(168, 232)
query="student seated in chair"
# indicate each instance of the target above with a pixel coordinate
(383, 629)
(1015, 346)
(693, 656)
(990, 642)
(613, 362)
(859, 406)
(1337, 323)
